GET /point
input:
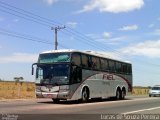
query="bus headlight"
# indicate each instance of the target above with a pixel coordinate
(64, 88)
(38, 88)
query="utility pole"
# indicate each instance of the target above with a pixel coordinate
(56, 31)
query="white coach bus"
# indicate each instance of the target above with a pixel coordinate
(77, 75)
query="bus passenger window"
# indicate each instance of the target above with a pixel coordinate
(111, 66)
(85, 61)
(124, 68)
(129, 70)
(95, 63)
(104, 64)
(98, 63)
(118, 67)
(76, 59)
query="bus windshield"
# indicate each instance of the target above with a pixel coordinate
(52, 74)
(54, 57)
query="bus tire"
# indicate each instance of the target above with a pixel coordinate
(118, 94)
(56, 100)
(123, 94)
(85, 95)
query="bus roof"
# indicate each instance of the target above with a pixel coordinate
(94, 53)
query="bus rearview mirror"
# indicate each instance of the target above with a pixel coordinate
(32, 70)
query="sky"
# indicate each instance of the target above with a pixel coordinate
(123, 29)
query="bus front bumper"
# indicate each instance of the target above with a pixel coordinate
(55, 95)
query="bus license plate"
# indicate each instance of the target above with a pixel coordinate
(50, 95)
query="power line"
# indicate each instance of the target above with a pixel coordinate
(47, 25)
(26, 37)
(44, 24)
(47, 22)
(50, 22)
(36, 39)
(30, 13)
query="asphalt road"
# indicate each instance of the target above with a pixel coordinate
(131, 108)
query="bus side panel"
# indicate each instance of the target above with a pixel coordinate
(75, 91)
(100, 84)
(98, 87)
(120, 81)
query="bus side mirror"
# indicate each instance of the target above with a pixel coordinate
(32, 70)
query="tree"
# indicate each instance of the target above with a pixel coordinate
(17, 79)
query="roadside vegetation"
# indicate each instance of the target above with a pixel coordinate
(17, 90)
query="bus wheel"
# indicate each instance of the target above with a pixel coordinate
(56, 100)
(118, 94)
(123, 94)
(85, 95)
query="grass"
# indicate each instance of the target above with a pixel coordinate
(140, 90)
(14, 90)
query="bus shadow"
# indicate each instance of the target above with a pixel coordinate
(95, 100)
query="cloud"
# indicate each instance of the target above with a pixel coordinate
(103, 35)
(112, 55)
(72, 24)
(107, 38)
(149, 49)
(113, 6)
(107, 34)
(129, 28)
(113, 40)
(19, 58)
(50, 2)
(118, 39)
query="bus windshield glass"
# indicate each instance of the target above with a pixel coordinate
(52, 74)
(54, 57)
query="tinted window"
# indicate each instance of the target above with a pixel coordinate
(76, 74)
(76, 59)
(111, 65)
(124, 68)
(95, 63)
(129, 69)
(118, 67)
(54, 57)
(104, 64)
(85, 61)
(53, 74)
